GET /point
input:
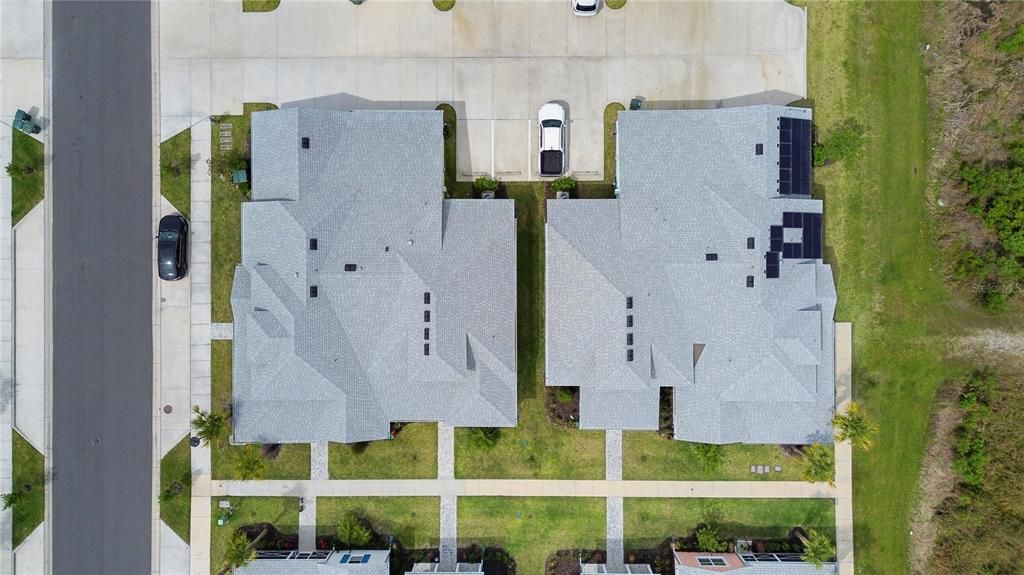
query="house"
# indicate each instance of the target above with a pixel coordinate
(604, 569)
(460, 569)
(700, 563)
(366, 562)
(704, 275)
(364, 297)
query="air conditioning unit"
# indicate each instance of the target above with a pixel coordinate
(561, 195)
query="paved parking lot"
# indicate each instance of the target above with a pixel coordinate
(497, 61)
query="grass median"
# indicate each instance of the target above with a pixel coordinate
(27, 175)
(176, 171)
(176, 488)
(29, 478)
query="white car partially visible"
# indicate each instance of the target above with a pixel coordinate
(551, 121)
(585, 7)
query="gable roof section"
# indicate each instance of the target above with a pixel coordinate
(747, 364)
(343, 364)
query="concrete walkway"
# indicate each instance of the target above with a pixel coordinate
(307, 525)
(445, 451)
(222, 330)
(522, 488)
(29, 335)
(318, 461)
(29, 556)
(449, 534)
(844, 452)
(613, 454)
(200, 345)
(614, 537)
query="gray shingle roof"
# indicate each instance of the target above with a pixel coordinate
(379, 564)
(765, 569)
(342, 365)
(750, 365)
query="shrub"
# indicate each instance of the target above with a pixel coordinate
(818, 548)
(251, 464)
(819, 465)
(856, 427)
(971, 450)
(484, 437)
(707, 540)
(844, 142)
(486, 184)
(12, 499)
(710, 456)
(998, 199)
(352, 532)
(211, 426)
(565, 395)
(564, 184)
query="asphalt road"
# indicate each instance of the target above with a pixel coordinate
(102, 288)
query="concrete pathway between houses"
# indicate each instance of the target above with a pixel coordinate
(445, 451)
(318, 461)
(844, 452)
(613, 454)
(613, 527)
(520, 488)
(307, 525)
(448, 549)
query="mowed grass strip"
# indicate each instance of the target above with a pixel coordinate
(649, 456)
(176, 466)
(27, 174)
(532, 528)
(281, 512)
(226, 211)
(293, 460)
(410, 455)
(648, 522)
(28, 477)
(415, 521)
(534, 449)
(864, 62)
(176, 171)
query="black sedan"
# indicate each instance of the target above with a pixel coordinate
(172, 247)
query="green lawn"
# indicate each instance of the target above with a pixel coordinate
(648, 522)
(647, 455)
(259, 6)
(531, 528)
(291, 463)
(411, 455)
(864, 62)
(177, 466)
(282, 512)
(226, 211)
(535, 448)
(27, 179)
(414, 521)
(29, 477)
(176, 170)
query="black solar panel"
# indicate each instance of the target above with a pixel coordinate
(771, 267)
(792, 251)
(794, 156)
(812, 241)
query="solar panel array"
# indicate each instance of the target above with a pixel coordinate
(794, 156)
(809, 246)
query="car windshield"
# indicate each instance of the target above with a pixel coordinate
(168, 237)
(551, 123)
(585, 8)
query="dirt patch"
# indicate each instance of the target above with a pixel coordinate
(991, 346)
(937, 479)
(563, 406)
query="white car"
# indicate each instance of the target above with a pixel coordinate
(551, 122)
(585, 7)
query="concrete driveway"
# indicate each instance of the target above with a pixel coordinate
(497, 61)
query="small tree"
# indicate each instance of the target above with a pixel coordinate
(486, 184)
(240, 551)
(352, 532)
(564, 184)
(710, 456)
(856, 427)
(818, 548)
(819, 465)
(251, 464)
(211, 426)
(707, 540)
(12, 499)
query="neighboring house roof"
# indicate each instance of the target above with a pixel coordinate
(343, 364)
(747, 364)
(687, 563)
(323, 563)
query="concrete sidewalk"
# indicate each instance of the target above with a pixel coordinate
(523, 488)
(844, 452)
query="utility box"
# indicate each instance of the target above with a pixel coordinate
(24, 123)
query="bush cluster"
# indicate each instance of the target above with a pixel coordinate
(843, 143)
(971, 446)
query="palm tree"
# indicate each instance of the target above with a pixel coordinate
(818, 548)
(856, 427)
(250, 463)
(240, 551)
(353, 532)
(819, 465)
(211, 426)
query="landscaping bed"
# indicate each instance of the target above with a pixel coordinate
(411, 453)
(409, 526)
(176, 171)
(288, 461)
(176, 488)
(530, 529)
